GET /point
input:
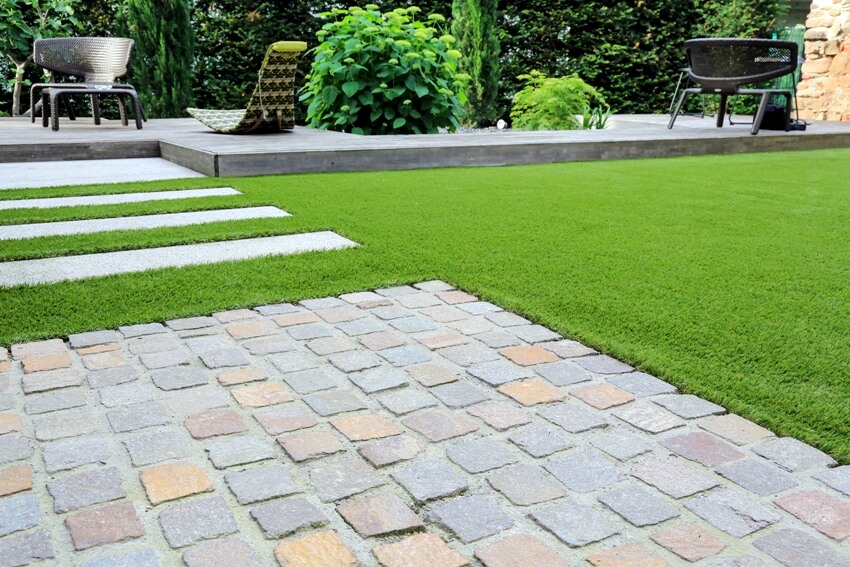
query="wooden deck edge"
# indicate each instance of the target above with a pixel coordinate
(71, 151)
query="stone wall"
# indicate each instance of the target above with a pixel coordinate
(824, 92)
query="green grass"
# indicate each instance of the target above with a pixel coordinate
(728, 276)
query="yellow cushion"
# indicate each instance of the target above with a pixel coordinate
(289, 46)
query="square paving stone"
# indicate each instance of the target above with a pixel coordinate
(65, 423)
(702, 448)
(309, 331)
(341, 314)
(381, 340)
(480, 307)
(364, 327)
(192, 400)
(573, 418)
(419, 300)
(827, 514)
(101, 360)
(525, 485)
(733, 512)
(322, 303)
(574, 523)
(627, 554)
(444, 313)
(517, 550)
(407, 400)
(532, 392)
(481, 454)
(354, 361)
(379, 514)
(472, 517)
(529, 355)
(470, 354)
(414, 324)
(361, 297)
(330, 345)
(673, 476)
(137, 416)
(405, 355)
(619, 443)
(164, 359)
(309, 381)
(649, 418)
(214, 422)
(293, 362)
(268, 345)
(323, 548)
(391, 450)
(440, 339)
(439, 425)
(19, 512)
(602, 396)
(306, 445)
(70, 453)
(563, 373)
(150, 448)
(430, 375)
(50, 380)
(280, 518)
(276, 309)
(507, 319)
(107, 524)
(83, 340)
(224, 358)
(390, 312)
(794, 548)
(498, 339)
(689, 406)
(757, 477)
(261, 483)
(420, 550)
(26, 548)
(430, 480)
(535, 333)
(283, 419)
(471, 326)
(734, 428)
(499, 372)
(379, 379)
(344, 478)
(202, 345)
(190, 323)
(689, 541)
(148, 345)
(9, 422)
(14, 479)
(837, 478)
(111, 376)
(14, 447)
(603, 364)
(125, 394)
(584, 471)
(500, 415)
(178, 378)
(641, 384)
(569, 349)
(227, 552)
(141, 558)
(234, 315)
(240, 450)
(333, 402)
(364, 426)
(296, 318)
(460, 394)
(261, 395)
(251, 329)
(191, 522)
(84, 489)
(638, 505)
(540, 441)
(241, 376)
(171, 481)
(793, 455)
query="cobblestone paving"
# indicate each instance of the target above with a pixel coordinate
(407, 427)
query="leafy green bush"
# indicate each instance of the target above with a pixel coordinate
(552, 103)
(384, 73)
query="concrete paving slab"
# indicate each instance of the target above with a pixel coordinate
(119, 198)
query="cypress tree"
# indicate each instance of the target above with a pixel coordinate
(474, 27)
(161, 67)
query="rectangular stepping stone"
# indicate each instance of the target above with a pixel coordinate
(50, 380)
(198, 520)
(54, 202)
(55, 401)
(733, 512)
(283, 517)
(263, 483)
(50, 270)
(472, 517)
(575, 524)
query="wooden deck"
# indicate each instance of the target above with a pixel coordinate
(190, 144)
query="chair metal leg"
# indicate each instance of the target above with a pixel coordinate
(45, 104)
(54, 112)
(760, 113)
(682, 75)
(721, 112)
(678, 108)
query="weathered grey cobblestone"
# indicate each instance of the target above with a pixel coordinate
(792, 455)
(406, 400)
(540, 441)
(125, 394)
(619, 444)
(334, 481)
(226, 552)
(334, 402)
(27, 548)
(308, 381)
(239, 450)
(689, 406)
(191, 323)
(19, 512)
(472, 517)
(71, 453)
(150, 448)
(141, 330)
(534, 333)
(460, 394)
(574, 523)
(673, 476)
(792, 547)
(180, 377)
(641, 385)
(354, 361)
(164, 359)
(83, 340)
(224, 358)
(573, 418)
(50, 380)
(499, 372)
(137, 416)
(84, 489)
(14, 447)
(757, 477)
(638, 505)
(144, 558)
(430, 480)
(481, 454)
(151, 344)
(733, 512)
(525, 485)
(378, 379)
(584, 471)
(112, 376)
(65, 423)
(283, 517)
(54, 401)
(263, 483)
(837, 478)
(198, 520)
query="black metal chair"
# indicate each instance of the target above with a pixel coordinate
(722, 65)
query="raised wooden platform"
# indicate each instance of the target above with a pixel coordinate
(190, 144)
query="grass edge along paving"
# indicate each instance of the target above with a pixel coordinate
(725, 275)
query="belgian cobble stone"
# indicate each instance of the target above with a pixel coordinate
(500, 415)
(381, 340)
(628, 554)
(440, 339)
(584, 471)
(405, 355)
(50, 380)
(262, 483)
(456, 296)
(354, 361)
(234, 315)
(837, 478)
(65, 423)
(212, 423)
(641, 385)
(322, 303)
(792, 455)
(224, 358)
(391, 450)
(444, 313)
(111, 376)
(293, 362)
(307, 445)
(238, 451)
(618, 443)
(470, 354)
(532, 392)
(379, 514)
(733, 511)
(137, 416)
(498, 339)
(757, 477)
(9, 422)
(187, 523)
(363, 327)
(280, 518)
(67, 454)
(84, 489)
(54, 401)
(107, 524)
(333, 402)
(569, 349)
(178, 378)
(506, 319)
(418, 301)
(525, 485)
(190, 400)
(481, 454)
(472, 517)
(519, 549)
(419, 550)
(702, 448)
(261, 395)
(734, 428)
(460, 394)
(164, 359)
(563, 373)
(203, 345)
(824, 512)
(603, 364)
(330, 345)
(430, 375)
(125, 394)
(172, 481)
(143, 558)
(241, 376)
(346, 477)
(340, 314)
(407, 400)
(649, 417)
(540, 441)
(360, 297)
(413, 324)
(38, 348)
(471, 326)
(573, 418)
(83, 340)
(47, 362)
(283, 419)
(276, 309)
(574, 523)
(14, 447)
(673, 476)
(638, 505)
(534, 333)
(26, 549)
(132, 331)
(251, 329)
(430, 480)
(379, 379)
(268, 345)
(19, 512)
(689, 541)
(150, 448)
(309, 381)
(226, 552)
(439, 425)
(309, 331)
(793, 548)
(480, 307)
(499, 372)
(689, 406)
(191, 323)
(602, 396)
(101, 360)
(152, 344)
(296, 318)
(14, 479)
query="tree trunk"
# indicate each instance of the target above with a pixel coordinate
(20, 67)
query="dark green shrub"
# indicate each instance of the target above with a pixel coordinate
(739, 18)
(552, 103)
(384, 73)
(474, 27)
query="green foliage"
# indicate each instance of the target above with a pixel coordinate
(474, 27)
(738, 18)
(552, 103)
(384, 73)
(96, 17)
(161, 67)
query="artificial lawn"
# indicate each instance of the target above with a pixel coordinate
(725, 275)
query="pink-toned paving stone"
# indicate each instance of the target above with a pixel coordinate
(429, 374)
(445, 313)
(532, 392)
(9, 422)
(251, 329)
(342, 314)
(5, 366)
(380, 514)
(4, 354)
(306, 445)
(628, 555)
(41, 363)
(241, 376)
(235, 315)
(439, 425)
(291, 319)
(441, 339)
(14, 479)
(703, 448)
(108, 524)
(529, 355)
(102, 360)
(391, 450)
(689, 541)
(285, 418)
(734, 428)
(96, 349)
(602, 396)
(261, 395)
(456, 296)
(519, 551)
(420, 550)
(365, 426)
(214, 422)
(174, 480)
(330, 345)
(38, 348)
(323, 548)
(827, 514)
(381, 340)
(366, 305)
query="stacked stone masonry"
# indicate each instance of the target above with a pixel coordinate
(824, 91)
(412, 426)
